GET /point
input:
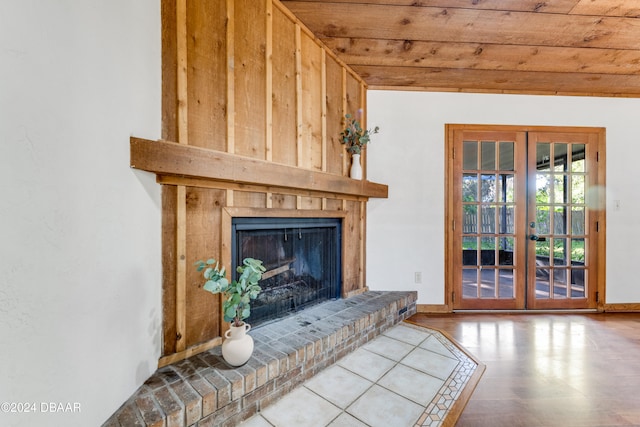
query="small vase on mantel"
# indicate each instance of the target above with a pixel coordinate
(238, 346)
(356, 167)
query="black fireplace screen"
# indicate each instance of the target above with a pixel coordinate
(302, 257)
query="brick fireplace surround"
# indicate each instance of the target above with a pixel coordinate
(204, 391)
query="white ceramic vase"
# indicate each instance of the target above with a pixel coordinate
(237, 346)
(356, 167)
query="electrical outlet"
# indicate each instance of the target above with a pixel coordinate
(418, 277)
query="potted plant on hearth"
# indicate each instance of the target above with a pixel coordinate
(355, 138)
(238, 346)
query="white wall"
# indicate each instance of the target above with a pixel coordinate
(405, 233)
(80, 268)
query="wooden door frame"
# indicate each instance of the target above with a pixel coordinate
(597, 271)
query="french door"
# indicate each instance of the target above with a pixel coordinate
(525, 217)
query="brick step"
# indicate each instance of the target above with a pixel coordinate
(204, 391)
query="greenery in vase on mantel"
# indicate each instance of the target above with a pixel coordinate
(354, 137)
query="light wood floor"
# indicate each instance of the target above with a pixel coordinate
(549, 369)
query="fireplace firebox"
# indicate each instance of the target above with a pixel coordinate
(302, 257)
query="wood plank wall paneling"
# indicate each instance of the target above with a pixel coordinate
(268, 78)
(206, 57)
(169, 332)
(203, 222)
(334, 204)
(336, 152)
(249, 78)
(250, 199)
(230, 80)
(311, 128)
(354, 93)
(183, 138)
(246, 78)
(351, 256)
(181, 267)
(283, 98)
(169, 70)
(283, 201)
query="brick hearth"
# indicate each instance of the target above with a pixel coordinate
(204, 391)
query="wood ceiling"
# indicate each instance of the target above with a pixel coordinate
(568, 47)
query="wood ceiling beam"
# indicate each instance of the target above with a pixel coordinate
(466, 80)
(466, 25)
(404, 53)
(621, 8)
(556, 6)
(628, 8)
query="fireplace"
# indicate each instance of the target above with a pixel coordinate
(302, 257)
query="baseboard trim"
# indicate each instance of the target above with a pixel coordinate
(545, 311)
(433, 308)
(608, 308)
(624, 307)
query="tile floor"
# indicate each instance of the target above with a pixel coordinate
(408, 376)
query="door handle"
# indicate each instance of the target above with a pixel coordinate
(536, 238)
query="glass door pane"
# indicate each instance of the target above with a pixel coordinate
(557, 222)
(490, 180)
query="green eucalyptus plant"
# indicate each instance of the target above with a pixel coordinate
(354, 137)
(239, 293)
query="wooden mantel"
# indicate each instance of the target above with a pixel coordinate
(170, 159)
